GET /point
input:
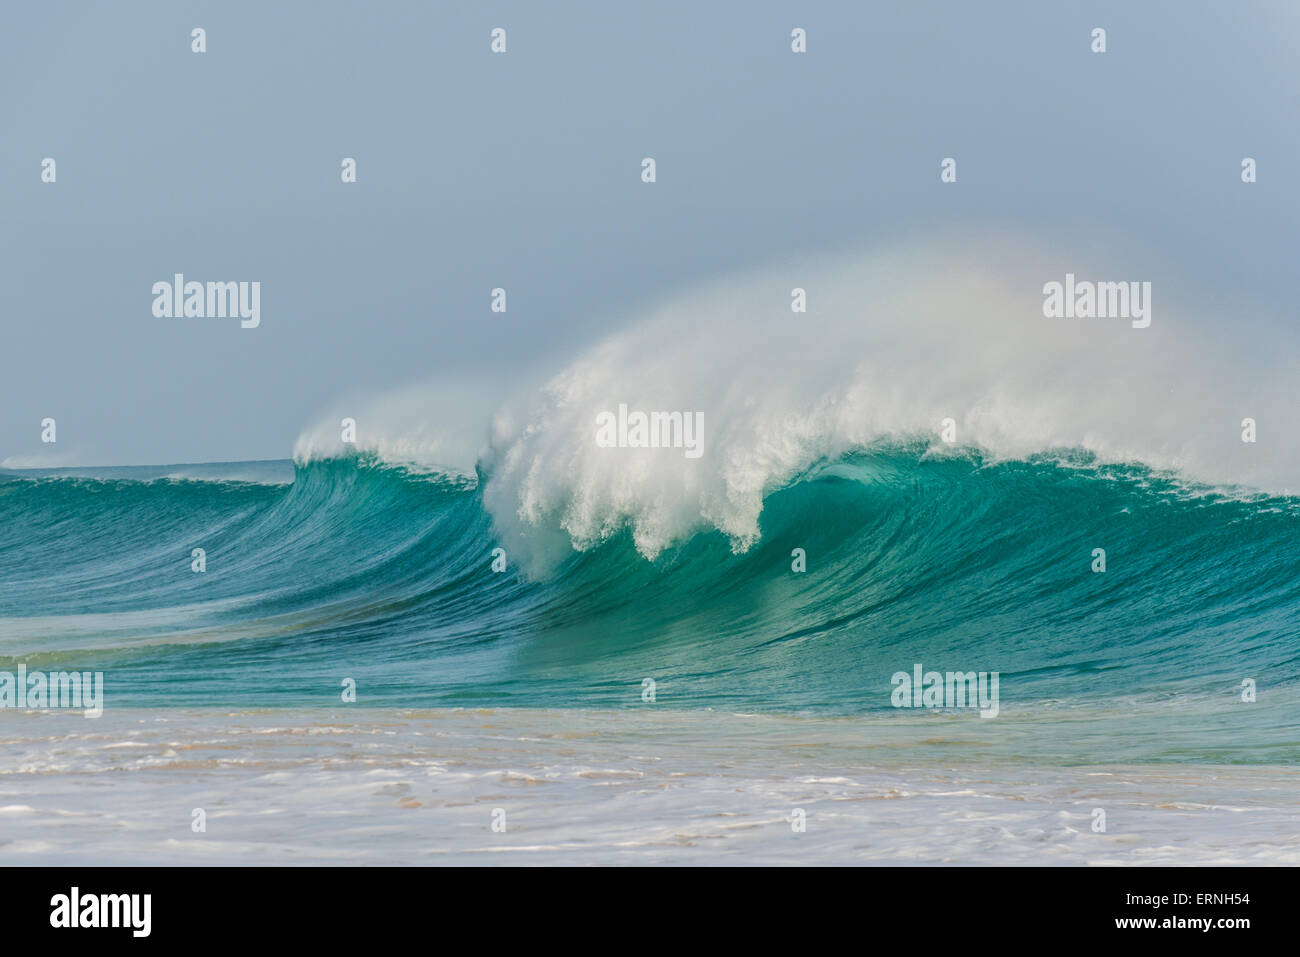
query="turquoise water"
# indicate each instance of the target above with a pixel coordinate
(350, 568)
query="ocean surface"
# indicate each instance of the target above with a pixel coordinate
(526, 688)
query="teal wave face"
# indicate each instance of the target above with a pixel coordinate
(355, 569)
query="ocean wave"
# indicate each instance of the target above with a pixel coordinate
(477, 544)
(362, 568)
(885, 352)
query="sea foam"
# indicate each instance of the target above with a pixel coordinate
(893, 344)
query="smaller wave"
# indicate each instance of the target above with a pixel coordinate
(263, 472)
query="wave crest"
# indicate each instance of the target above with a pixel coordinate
(885, 351)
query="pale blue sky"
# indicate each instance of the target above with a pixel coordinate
(523, 170)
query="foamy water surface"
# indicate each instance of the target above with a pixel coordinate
(585, 787)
